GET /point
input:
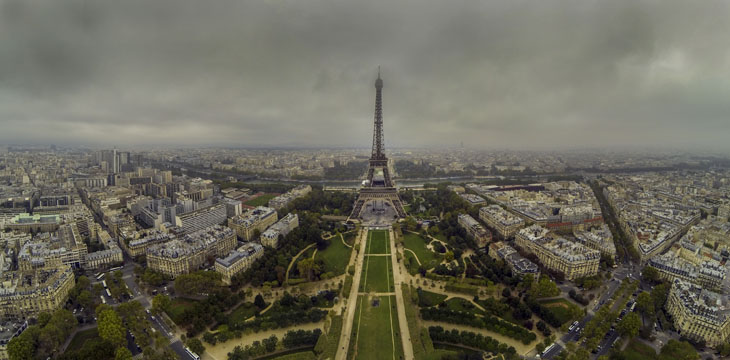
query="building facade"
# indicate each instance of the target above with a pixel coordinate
(699, 314)
(238, 261)
(246, 224)
(516, 262)
(270, 237)
(558, 254)
(26, 293)
(188, 253)
(475, 230)
(504, 222)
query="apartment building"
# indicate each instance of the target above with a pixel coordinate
(251, 220)
(188, 253)
(238, 261)
(505, 223)
(698, 313)
(285, 199)
(572, 259)
(519, 265)
(475, 230)
(270, 237)
(202, 218)
(25, 293)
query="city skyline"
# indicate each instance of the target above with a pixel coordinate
(555, 75)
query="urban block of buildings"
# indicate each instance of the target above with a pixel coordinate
(572, 259)
(285, 199)
(519, 265)
(698, 313)
(188, 253)
(270, 237)
(238, 261)
(504, 222)
(598, 238)
(246, 224)
(475, 230)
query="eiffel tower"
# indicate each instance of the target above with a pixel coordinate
(379, 187)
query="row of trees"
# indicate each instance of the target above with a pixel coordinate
(470, 339)
(490, 323)
(292, 340)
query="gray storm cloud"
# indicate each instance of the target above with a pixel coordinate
(506, 74)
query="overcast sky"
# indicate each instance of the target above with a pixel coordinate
(493, 74)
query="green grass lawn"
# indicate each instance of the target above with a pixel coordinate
(459, 304)
(262, 200)
(563, 309)
(417, 244)
(350, 237)
(377, 275)
(637, 350)
(378, 242)
(177, 307)
(375, 330)
(336, 256)
(81, 337)
(242, 312)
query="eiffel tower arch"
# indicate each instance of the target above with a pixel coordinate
(378, 190)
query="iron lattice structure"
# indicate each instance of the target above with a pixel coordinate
(378, 153)
(379, 185)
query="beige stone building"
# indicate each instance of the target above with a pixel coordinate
(246, 224)
(558, 254)
(188, 253)
(504, 222)
(699, 314)
(25, 293)
(238, 261)
(270, 237)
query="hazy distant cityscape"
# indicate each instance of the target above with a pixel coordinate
(364, 180)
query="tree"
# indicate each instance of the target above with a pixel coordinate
(645, 304)
(259, 301)
(21, 348)
(659, 295)
(678, 350)
(160, 303)
(195, 345)
(650, 274)
(629, 326)
(122, 353)
(85, 299)
(449, 256)
(545, 288)
(110, 327)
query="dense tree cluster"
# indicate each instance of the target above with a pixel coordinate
(203, 313)
(198, 283)
(150, 277)
(287, 311)
(43, 339)
(490, 323)
(271, 267)
(470, 339)
(324, 202)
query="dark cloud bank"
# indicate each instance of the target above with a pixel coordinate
(493, 74)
